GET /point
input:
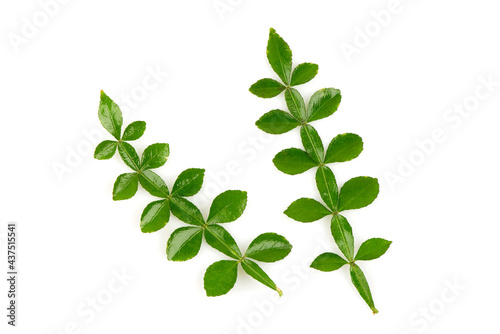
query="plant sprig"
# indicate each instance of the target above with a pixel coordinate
(185, 242)
(356, 193)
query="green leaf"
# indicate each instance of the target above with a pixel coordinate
(184, 243)
(359, 280)
(277, 122)
(303, 73)
(186, 211)
(358, 192)
(312, 143)
(293, 161)
(227, 207)
(125, 186)
(279, 56)
(253, 269)
(323, 103)
(153, 184)
(129, 155)
(268, 247)
(306, 210)
(372, 249)
(296, 104)
(344, 147)
(328, 262)
(189, 182)
(220, 239)
(342, 234)
(155, 216)
(267, 88)
(220, 277)
(110, 116)
(105, 150)
(327, 187)
(155, 156)
(134, 131)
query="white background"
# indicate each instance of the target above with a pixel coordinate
(396, 90)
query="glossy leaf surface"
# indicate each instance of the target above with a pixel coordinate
(279, 56)
(312, 143)
(220, 277)
(184, 243)
(372, 249)
(125, 186)
(253, 269)
(129, 155)
(303, 73)
(342, 234)
(105, 150)
(306, 210)
(189, 182)
(110, 116)
(227, 207)
(344, 147)
(267, 88)
(277, 122)
(327, 187)
(328, 262)
(220, 239)
(359, 280)
(155, 156)
(153, 184)
(134, 130)
(155, 216)
(358, 192)
(323, 103)
(296, 104)
(186, 211)
(293, 161)
(268, 247)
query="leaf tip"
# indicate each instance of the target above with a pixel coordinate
(280, 293)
